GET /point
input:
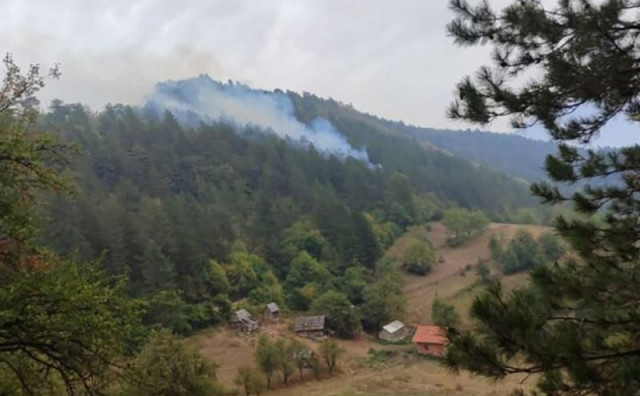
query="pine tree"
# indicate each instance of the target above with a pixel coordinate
(578, 323)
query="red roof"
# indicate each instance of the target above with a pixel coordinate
(430, 335)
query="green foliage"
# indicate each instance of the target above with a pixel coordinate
(398, 148)
(443, 314)
(524, 252)
(572, 326)
(377, 359)
(383, 303)
(551, 246)
(166, 367)
(66, 318)
(250, 380)
(301, 355)
(483, 271)
(341, 315)
(218, 279)
(306, 277)
(418, 257)
(267, 358)
(62, 325)
(268, 291)
(330, 352)
(354, 282)
(521, 254)
(464, 223)
(304, 236)
(241, 272)
(284, 350)
(160, 202)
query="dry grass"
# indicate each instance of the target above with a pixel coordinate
(444, 281)
(406, 374)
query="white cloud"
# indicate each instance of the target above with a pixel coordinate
(387, 57)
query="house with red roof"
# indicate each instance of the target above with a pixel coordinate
(430, 340)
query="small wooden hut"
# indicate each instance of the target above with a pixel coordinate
(311, 326)
(394, 331)
(271, 311)
(242, 319)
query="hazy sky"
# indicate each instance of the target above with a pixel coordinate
(387, 57)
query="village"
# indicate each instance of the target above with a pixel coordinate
(428, 339)
(405, 352)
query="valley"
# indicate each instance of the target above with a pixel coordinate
(390, 369)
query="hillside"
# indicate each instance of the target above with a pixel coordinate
(512, 154)
(201, 216)
(369, 367)
(205, 210)
(445, 280)
(337, 130)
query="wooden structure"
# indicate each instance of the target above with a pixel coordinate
(311, 326)
(394, 331)
(242, 319)
(430, 340)
(271, 311)
(306, 356)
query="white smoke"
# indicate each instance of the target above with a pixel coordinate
(210, 100)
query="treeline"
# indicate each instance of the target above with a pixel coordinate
(197, 218)
(286, 357)
(525, 252)
(451, 179)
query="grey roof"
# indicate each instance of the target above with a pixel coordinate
(393, 326)
(243, 314)
(309, 323)
(273, 307)
(303, 354)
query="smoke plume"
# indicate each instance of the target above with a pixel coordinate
(203, 99)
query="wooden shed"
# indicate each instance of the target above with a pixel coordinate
(243, 320)
(311, 326)
(431, 340)
(394, 331)
(271, 311)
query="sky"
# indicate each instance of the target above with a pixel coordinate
(390, 58)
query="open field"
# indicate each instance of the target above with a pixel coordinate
(402, 372)
(444, 281)
(405, 375)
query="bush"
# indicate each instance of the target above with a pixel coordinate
(167, 367)
(444, 314)
(524, 252)
(342, 316)
(418, 258)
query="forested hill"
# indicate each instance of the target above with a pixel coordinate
(198, 216)
(324, 124)
(515, 155)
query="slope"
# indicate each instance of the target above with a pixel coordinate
(515, 155)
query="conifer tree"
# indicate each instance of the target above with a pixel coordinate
(578, 324)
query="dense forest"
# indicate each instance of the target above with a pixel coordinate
(197, 217)
(511, 154)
